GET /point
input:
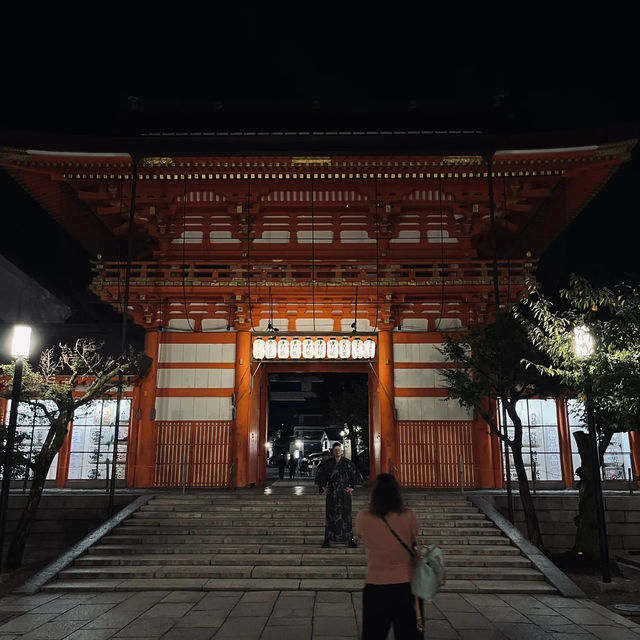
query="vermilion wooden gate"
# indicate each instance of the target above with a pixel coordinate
(193, 454)
(430, 453)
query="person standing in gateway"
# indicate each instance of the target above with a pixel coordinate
(338, 476)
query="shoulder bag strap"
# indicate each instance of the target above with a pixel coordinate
(398, 538)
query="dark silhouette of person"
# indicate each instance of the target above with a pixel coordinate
(338, 476)
(293, 463)
(281, 466)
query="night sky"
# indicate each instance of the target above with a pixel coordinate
(71, 68)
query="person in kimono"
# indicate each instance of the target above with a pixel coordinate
(337, 477)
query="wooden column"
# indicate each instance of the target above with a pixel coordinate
(564, 443)
(242, 390)
(634, 454)
(386, 401)
(62, 467)
(142, 433)
(484, 453)
(3, 410)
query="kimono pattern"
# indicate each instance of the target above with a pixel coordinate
(337, 477)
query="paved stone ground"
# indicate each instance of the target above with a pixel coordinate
(295, 615)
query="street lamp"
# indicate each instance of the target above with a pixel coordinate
(20, 344)
(584, 347)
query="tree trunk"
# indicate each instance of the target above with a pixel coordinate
(23, 528)
(586, 541)
(604, 443)
(529, 510)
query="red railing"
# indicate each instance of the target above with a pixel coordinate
(172, 273)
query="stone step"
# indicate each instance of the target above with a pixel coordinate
(268, 509)
(253, 559)
(314, 538)
(284, 531)
(507, 552)
(230, 541)
(278, 571)
(269, 584)
(271, 516)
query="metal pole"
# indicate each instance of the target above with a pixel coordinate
(496, 300)
(184, 471)
(8, 454)
(597, 486)
(630, 482)
(123, 344)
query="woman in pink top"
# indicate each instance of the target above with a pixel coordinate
(387, 597)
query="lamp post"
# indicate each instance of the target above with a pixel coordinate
(19, 350)
(583, 346)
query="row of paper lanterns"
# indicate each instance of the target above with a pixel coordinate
(318, 349)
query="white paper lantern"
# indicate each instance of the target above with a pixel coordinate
(332, 348)
(344, 348)
(295, 349)
(370, 348)
(283, 349)
(271, 349)
(357, 349)
(320, 349)
(258, 349)
(307, 348)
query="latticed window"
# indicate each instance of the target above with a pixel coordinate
(92, 440)
(540, 444)
(617, 457)
(32, 427)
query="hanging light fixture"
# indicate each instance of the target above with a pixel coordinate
(271, 348)
(357, 349)
(320, 349)
(307, 348)
(333, 350)
(283, 349)
(295, 349)
(344, 348)
(258, 349)
(369, 348)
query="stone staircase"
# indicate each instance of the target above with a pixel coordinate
(252, 541)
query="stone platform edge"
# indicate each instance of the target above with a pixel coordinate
(48, 573)
(552, 574)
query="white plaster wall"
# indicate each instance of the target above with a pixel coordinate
(185, 377)
(195, 378)
(193, 409)
(430, 409)
(418, 378)
(184, 353)
(417, 353)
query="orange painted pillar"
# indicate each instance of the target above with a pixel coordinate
(484, 453)
(3, 410)
(240, 443)
(142, 433)
(564, 443)
(634, 453)
(62, 468)
(386, 402)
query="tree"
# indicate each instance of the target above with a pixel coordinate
(66, 378)
(489, 363)
(609, 379)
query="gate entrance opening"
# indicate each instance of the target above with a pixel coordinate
(307, 413)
